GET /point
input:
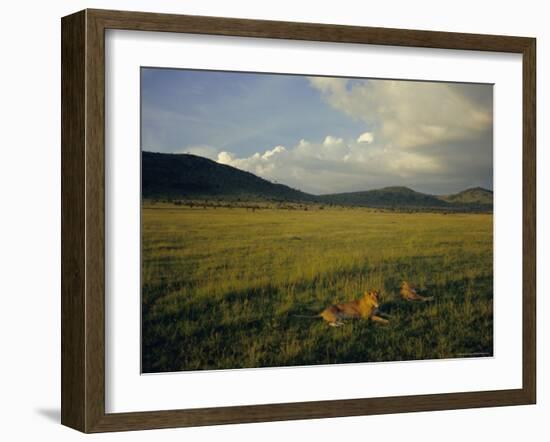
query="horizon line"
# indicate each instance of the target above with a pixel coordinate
(313, 194)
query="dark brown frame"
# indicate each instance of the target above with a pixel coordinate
(83, 216)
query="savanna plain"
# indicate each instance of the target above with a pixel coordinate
(238, 287)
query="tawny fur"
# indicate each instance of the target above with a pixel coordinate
(410, 293)
(364, 308)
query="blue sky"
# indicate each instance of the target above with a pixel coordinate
(239, 112)
(323, 134)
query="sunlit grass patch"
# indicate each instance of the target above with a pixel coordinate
(225, 287)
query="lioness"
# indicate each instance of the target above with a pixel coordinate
(409, 293)
(364, 308)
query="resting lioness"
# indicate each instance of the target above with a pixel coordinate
(410, 293)
(364, 308)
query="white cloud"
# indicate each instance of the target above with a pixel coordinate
(277, 149)
(410, 114)
(365, 137)
(333, 165)
(434, 137)
(225, 158)
(262, 165)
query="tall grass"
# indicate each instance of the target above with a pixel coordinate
(224, 287)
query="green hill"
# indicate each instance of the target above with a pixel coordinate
(475, 195)
(188, 176)
(402, 197)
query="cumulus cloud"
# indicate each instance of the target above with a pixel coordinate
(365, 137)
(410, 114)
(263, 165)
(227, 158)
(434, 137)
(334, 165)
(277, 149)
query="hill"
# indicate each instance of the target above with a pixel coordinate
(190, 176)
(402, 197)
(186, 176)
(475, 195)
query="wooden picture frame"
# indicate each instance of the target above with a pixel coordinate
(83, 220)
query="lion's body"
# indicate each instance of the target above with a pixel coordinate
(364, 308)
(410, 293)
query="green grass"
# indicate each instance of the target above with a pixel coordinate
(222, 287)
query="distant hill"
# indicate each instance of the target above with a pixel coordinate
(386, 197)
(186, 176)
(190, 176)
(475, 195)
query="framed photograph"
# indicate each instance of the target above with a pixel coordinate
(269, 220)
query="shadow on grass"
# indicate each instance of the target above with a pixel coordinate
(263, 327)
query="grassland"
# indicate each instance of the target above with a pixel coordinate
(225, 287)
